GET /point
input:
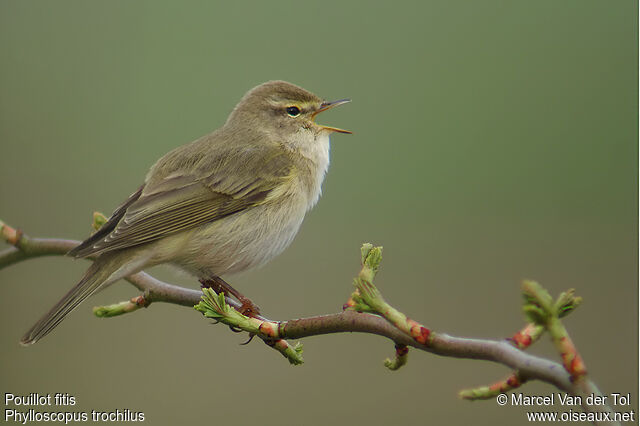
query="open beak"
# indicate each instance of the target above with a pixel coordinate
(328, 105)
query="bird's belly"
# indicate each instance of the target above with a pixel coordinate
(241, 241)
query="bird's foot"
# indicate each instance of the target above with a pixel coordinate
(248, 308)
(217, 284)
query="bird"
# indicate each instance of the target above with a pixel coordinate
(227, 202)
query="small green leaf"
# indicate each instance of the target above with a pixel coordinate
(98, 220)
(567, 302)
(536, 294)
(535, 314)
(364, 252)
(373, 259)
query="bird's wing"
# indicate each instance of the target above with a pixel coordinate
(85, 248)
(182, 201)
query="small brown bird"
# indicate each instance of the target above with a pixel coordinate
(227, 202)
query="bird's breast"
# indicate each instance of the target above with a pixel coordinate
(313, 167)
(254, 236)
(243, 240)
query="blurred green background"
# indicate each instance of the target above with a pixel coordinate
(493, 141)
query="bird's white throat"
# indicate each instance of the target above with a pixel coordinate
(317, 151)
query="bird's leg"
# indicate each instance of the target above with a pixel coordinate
(218, 285)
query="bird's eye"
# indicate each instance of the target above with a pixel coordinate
(293, 111)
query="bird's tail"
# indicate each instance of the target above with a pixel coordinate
(101, 273)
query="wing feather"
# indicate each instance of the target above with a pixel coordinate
(181, 201)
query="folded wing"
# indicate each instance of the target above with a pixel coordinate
(182, 201)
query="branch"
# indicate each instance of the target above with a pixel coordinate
(366, 312)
